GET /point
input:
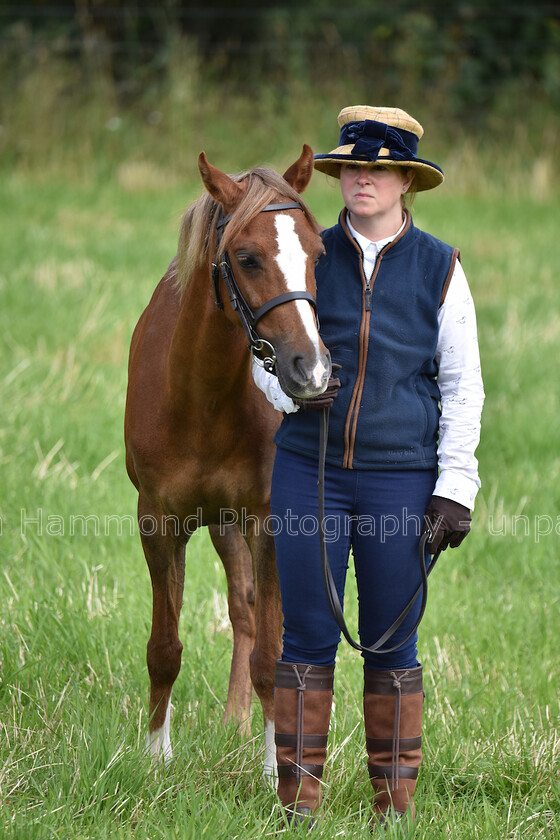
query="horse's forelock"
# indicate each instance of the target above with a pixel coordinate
(264, 186)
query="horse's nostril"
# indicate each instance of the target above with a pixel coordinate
(300, 369)
(306, 375)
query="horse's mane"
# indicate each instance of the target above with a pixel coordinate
(197, 239)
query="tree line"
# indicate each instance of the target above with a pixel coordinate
(466, 53)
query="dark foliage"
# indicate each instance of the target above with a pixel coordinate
(466, 53)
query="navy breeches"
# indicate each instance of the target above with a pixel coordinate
(377, 515)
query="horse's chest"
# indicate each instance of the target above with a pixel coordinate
(210, 473)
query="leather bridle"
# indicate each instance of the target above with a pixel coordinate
(262, 351)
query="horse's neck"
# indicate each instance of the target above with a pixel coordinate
(208, 354)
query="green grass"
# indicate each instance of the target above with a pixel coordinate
(78, 261)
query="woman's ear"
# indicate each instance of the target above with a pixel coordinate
(409, 178)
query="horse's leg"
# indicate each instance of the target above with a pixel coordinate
(267, 648)
(165, 554)
(236, 558)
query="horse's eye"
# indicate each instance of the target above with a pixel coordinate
(247, 261)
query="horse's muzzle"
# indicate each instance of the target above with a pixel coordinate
(301, 377)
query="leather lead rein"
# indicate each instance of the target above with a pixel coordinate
(330, 588)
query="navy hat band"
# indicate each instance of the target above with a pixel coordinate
(370, 136)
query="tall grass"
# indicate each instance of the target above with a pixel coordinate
(87, 231)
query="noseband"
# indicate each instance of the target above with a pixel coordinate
(262, 351)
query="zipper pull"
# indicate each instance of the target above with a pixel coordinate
(368, 298)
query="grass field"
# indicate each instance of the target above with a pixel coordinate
(78, 261)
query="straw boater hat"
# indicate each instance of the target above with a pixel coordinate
(388, 135)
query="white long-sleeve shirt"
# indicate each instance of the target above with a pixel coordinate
(459, 380)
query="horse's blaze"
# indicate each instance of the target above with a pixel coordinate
(292, 261)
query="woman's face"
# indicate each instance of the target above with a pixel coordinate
(373, 190)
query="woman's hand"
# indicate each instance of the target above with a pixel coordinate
(326, 399)
(447, 522)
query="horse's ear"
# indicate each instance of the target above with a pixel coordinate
(299, 174)
(219, 185)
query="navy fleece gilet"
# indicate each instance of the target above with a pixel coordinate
(386, 414)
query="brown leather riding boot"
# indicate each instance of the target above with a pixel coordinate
(302, 710)
(393, 702)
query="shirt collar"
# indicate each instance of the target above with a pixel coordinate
(366, 243)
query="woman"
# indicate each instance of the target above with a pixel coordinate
(398, 318)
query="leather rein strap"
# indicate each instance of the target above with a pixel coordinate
(330, 588)
(261, 350)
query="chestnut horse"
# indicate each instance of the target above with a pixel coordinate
(199, 434)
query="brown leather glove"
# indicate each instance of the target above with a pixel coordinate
(447, 521)
(326, 399)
